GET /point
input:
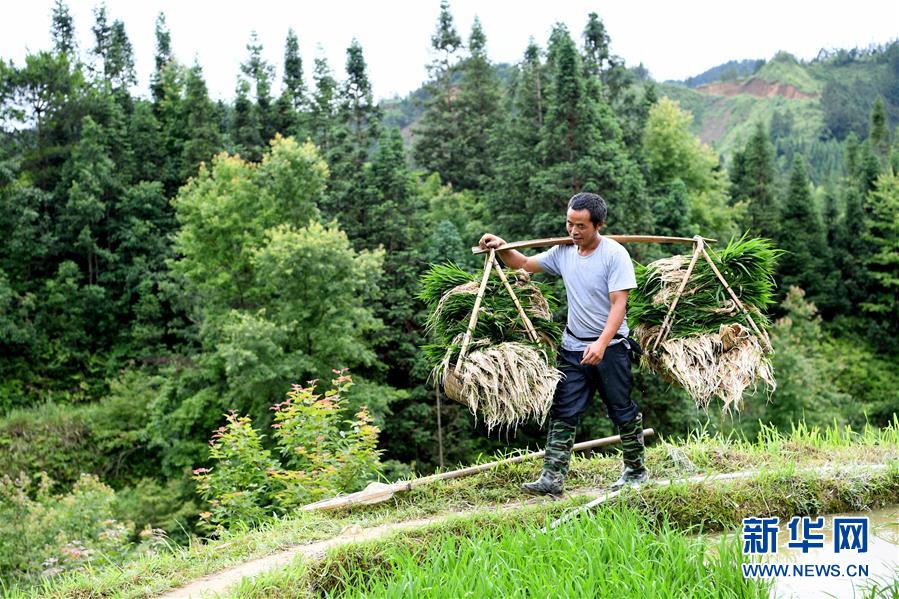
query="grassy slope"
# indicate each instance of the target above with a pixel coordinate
(727, 122)
(785, 489)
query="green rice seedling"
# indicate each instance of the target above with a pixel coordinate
(612, 553)
(711, 348)
(506, 378)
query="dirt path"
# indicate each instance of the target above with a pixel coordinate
(220, 582)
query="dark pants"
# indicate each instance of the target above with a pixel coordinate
(611, 377)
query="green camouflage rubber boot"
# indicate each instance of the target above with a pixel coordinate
(632, 452)
(559, 441)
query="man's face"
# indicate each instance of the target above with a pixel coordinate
(580, 227)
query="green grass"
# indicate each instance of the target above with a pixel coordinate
(785, 489)
(607, 554)
(790, 72)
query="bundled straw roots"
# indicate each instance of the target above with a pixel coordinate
(506, 383)
(505, 378)
(711, 349)
(722, 364)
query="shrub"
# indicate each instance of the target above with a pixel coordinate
(322, 452)
(44, 534)
(237, 488)
(325, 452)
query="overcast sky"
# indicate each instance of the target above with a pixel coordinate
(673, 40)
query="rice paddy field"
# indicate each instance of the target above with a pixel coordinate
(483, 539)
(613, 553)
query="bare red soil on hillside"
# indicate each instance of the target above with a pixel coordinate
(754, 87)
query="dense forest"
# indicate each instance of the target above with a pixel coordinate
(168, 260)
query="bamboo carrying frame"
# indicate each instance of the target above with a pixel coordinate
(699, 248)
(451, 382)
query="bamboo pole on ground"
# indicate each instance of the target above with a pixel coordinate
(378, 492)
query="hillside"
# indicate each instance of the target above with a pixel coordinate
(810, 107)
(815, 104)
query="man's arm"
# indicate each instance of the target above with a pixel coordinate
(596, 350)
(511, 258)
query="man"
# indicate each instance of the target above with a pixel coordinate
(598, 275)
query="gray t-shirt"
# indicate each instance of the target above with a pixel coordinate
(588, 282)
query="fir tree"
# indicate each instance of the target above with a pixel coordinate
(90, 192)
(852, 250)
(519, 136)
(162, 58)
(596, 45)
(244, 124)
(582, 150)
(146, 142)
(63, 30)
(293, 71)
(113, 49)
(879, 135)
(203, 138)
(752, 182)
(323, 110)
(436, 137)
(261, 73)
(479, 116)
(882, 263)
(802, 236)
(170, 112)
(360, 114)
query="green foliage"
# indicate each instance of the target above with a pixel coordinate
(107, 438)
(225, 211)
(803, 358)
(278, 300)
(672, 155)
(237, 487)
(322, 453)
(44, 534)
(325, 452)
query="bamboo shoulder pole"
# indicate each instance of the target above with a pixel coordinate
(551, 241)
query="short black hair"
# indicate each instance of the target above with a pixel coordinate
(591, 202)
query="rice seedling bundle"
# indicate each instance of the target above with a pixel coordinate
(505, 378)
(712, 349)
